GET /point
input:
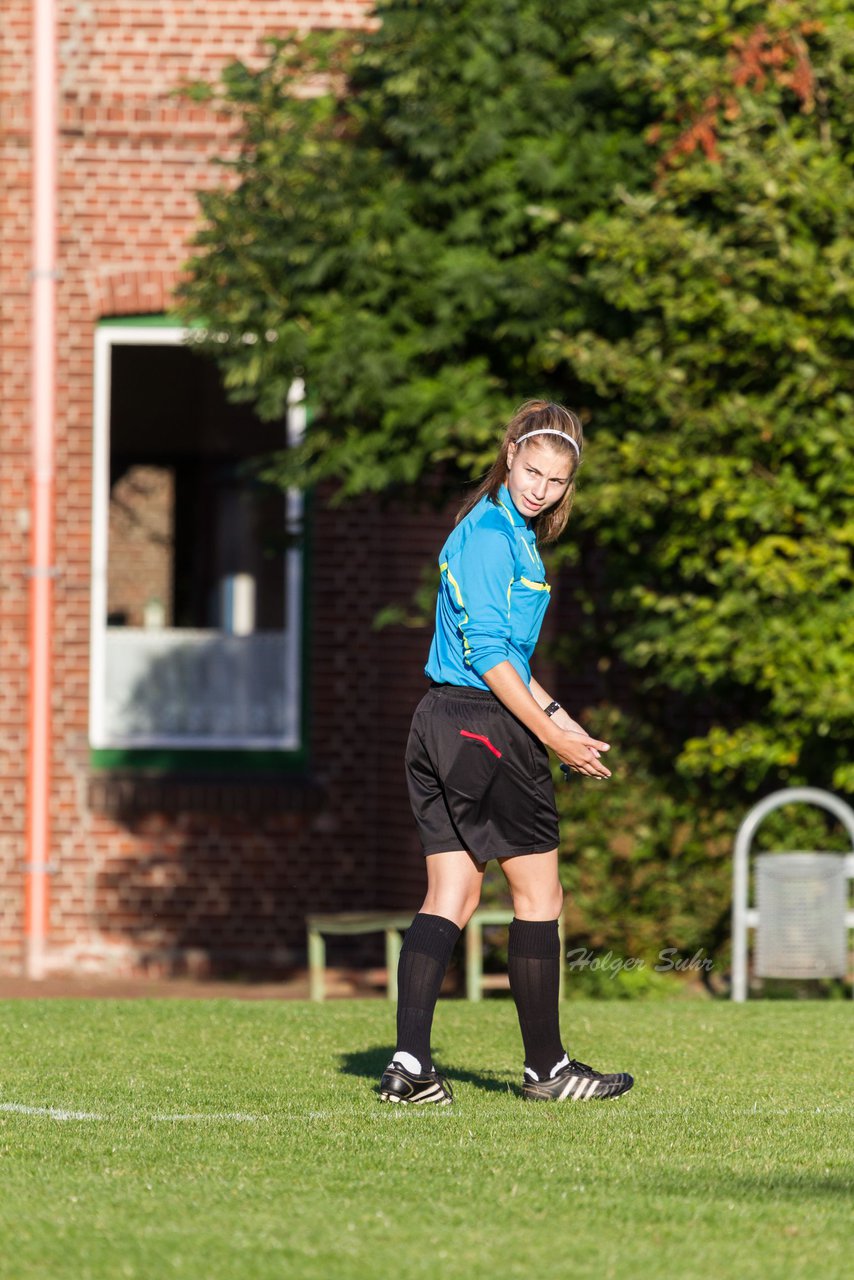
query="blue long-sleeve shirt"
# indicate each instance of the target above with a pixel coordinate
(492, 598)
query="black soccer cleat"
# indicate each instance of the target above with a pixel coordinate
(577, 1082)
(400, 1085)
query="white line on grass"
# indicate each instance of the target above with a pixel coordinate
(214, 1115)
(60, 1113)
(53, 1113)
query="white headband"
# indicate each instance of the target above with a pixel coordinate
(549, 431)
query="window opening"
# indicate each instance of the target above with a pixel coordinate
(197, 565)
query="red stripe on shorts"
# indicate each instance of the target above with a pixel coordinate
(479, 737)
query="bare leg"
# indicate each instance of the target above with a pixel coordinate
(534, 885)
(454, 883)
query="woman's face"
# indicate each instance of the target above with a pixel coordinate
(537, 476)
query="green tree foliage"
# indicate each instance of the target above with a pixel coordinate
(644, 211)
(397, 238)
(720, 358)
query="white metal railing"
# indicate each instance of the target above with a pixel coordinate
(182, 687)
(745, 917)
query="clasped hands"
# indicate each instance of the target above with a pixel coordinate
(574, 747)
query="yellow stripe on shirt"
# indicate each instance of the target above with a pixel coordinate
(443, 568)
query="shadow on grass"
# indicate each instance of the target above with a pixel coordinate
(726, 1185)
(369, 1064)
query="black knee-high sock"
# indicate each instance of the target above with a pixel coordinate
(534, 964)
(424, 958)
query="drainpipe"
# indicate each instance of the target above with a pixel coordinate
(43, 401)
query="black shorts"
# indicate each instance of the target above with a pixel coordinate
(478, 779)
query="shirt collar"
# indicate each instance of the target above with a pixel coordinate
(506, 502)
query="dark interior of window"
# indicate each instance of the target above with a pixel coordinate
(196, 540)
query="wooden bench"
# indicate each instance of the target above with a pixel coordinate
(392, 924)
(388, 922)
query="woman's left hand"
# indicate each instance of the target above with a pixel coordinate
(564, 720)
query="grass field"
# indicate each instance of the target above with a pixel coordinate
(230, 1139)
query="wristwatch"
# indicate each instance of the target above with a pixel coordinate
(552, 708)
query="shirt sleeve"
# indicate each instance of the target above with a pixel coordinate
(482, 572)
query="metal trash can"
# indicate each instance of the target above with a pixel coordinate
(801, 900)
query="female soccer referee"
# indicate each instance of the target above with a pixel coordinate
(477, 765)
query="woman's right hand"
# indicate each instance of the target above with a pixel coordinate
(579, 752)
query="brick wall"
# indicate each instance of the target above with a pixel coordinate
(169, 873)
(141, 537)
(218, 870)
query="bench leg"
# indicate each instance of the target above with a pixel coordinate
(393, 943)
(316, 964)
(474, 959)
